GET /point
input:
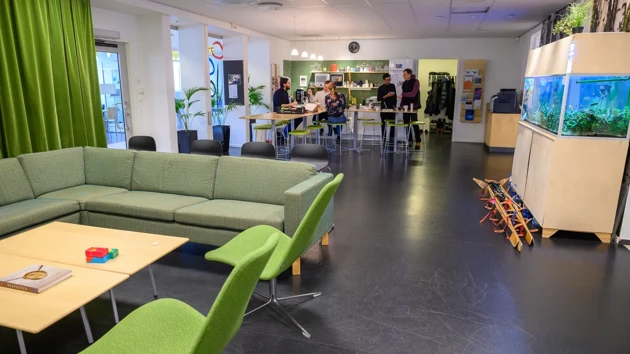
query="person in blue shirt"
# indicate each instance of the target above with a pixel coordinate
(281, 97)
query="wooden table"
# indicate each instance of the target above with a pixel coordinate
(66, 243)
(33, 313)
(274, 117)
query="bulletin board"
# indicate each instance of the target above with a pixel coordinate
(233, 87)
(472, 93)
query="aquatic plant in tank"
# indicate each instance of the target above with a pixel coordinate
(542, 101)
(597, 106)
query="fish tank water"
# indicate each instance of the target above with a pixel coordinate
(542, 101)
(597, 106)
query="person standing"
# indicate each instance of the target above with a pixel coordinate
(386, 94)
(336, 106)
(410, 97)
(281, 97)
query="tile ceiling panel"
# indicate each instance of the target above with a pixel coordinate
(380, 18)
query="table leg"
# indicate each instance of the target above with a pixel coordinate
(355, 126)
(21, 341)
(274, 133)
(396, 135)
(114, 307)
(86, 324)
(291, 136)
(155, 293)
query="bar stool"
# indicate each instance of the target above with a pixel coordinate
(333, 127)
(282, 147)
(387, 122)
(423, 151)
(262, 129)
(300, 133)
(376, 126)
(315, 128)
(398, 129)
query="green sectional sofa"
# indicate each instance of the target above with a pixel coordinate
(205, 198)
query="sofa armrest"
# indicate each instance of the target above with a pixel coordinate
(299, 198)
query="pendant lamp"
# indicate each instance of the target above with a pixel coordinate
(294, 51)
(313, 56)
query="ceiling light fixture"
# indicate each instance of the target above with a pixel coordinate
(294, 51)
(320, 58)
(313, 56)
(304, 54)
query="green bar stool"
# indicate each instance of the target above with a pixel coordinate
(387, 122)
(262, 129)
(420, 124)
(300, 133)
(362, 121)
(399, 128)
(314, 129)
(376, 126)
(282, 148)
(342, 150)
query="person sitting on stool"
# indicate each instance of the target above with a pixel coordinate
(336, 106)
(281, 97)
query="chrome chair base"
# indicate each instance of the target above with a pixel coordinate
(274, 301)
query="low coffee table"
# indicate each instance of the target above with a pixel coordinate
(66, 243)
(32, 313)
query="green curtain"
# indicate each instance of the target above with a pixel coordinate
(49, 91)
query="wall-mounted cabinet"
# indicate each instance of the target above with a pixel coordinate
(572, 142)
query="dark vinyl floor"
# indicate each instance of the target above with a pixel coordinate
(409, 269)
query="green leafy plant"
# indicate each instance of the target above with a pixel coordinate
(183, 105)
(578, 14)
(219, 110)
(595, 121)
(256, 99)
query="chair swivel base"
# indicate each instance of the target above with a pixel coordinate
(272, 299)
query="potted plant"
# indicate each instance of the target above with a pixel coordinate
(578, 14)
(221, 131)
(256, 101)
(182, 108)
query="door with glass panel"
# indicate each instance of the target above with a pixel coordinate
(112, 79)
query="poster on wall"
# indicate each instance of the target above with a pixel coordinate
(472, 95)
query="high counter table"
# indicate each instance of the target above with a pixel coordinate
(273, 117)
(355, 121)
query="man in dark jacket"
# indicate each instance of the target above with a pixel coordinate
(386, 94)
(281, 97)
(411, 96)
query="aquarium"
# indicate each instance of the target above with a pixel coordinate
(597, 106)
(542, 101)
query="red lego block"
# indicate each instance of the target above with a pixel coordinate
(98, 252)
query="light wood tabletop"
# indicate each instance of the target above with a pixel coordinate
(66, 243)
(367, 110)
(281, 116)
(33, 313)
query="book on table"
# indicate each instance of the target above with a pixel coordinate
(35, 278)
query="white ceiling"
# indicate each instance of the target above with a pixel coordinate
(355, 19)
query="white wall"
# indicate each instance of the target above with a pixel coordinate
(504, 68)
(279, 50)
(260, 70)
(193, 56)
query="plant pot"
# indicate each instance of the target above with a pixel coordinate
(221, 134)
(185, 139)
(578, 30)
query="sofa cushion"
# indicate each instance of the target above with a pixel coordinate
(148, 205)
(20, 215)
(108, 167)
(258, 180)
(182, 174)
(231, 214)
(14, 186)
(54, 170)
(83, 193)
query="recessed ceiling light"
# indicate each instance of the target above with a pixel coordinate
(511, 15)
(439, 17)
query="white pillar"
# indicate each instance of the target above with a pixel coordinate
(193, 56)
(235, 48)
(155, 89)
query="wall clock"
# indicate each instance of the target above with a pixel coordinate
(354, 47)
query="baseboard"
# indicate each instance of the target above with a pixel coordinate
(499, 149)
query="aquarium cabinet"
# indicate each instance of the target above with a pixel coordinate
(572, 140)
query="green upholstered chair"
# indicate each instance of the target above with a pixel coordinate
(288, 249)
(170, 326)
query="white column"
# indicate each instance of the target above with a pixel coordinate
(235, 48)
(155, 91)
(193, 56)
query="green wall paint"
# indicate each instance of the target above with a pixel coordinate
(295, 68)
